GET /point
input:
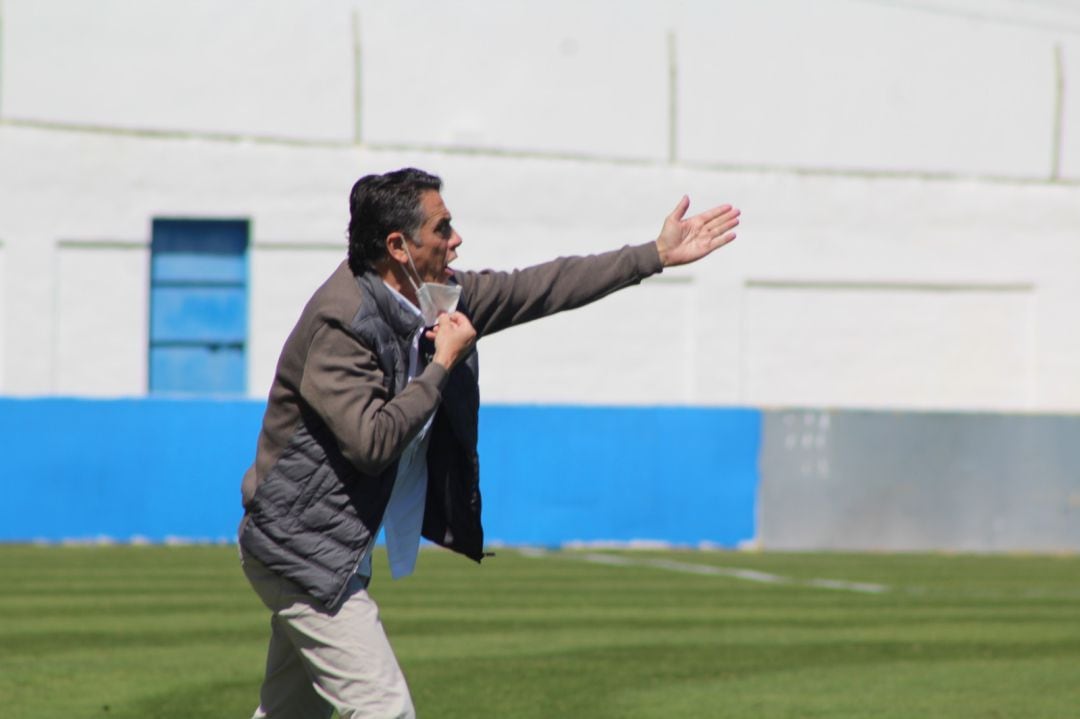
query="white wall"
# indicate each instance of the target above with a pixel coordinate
(909, 176)
(581, 78)
(246, 67)
(3, 311)
(864, 86)
(100, 288)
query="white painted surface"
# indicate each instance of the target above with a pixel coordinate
(636, 347)
(28, 302)
(243, 67)
(101, 289)
(855, 159)
(560, 76)
(933, 347)
(283, 277)
(1070, 110)
(867, 86)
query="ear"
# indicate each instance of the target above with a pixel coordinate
(395, 247)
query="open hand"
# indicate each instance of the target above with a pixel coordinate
(687, 240)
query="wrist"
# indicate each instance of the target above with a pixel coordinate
(662, 252)
(444, 359)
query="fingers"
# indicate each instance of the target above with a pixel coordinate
(454, 339)
(717, 215)
(453, 323)
(723, 222)
(720, 224)
(454, 319)
(721, 240)
(680, 209)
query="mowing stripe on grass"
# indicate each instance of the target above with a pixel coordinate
(749, 575)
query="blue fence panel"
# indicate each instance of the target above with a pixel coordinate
(83, 469)
(159, 468)
(558, 474)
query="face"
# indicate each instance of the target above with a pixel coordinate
(438, 241)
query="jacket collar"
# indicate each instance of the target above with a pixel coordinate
(401, 321)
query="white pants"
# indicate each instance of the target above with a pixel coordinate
(320, 661)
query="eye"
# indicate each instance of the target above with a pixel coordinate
(444, 230)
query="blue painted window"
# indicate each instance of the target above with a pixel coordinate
(198, 306)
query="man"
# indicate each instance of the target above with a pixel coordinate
(372, 424)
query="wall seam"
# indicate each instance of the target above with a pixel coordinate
(357, 80)
(1, 58)
(673, 98)
(940, 11)
(102, 244)
(1059, 112)
(517, 154)
(151, 134)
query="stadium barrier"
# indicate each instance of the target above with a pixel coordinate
(160, 470)
(169, 470)
(918, 481)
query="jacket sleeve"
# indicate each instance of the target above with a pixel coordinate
(343, 384)
(497, 300)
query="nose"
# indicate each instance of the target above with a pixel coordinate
(455, 240)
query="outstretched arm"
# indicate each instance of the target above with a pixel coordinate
(683, 240)
(497, 300)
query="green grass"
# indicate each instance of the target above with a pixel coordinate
(156, 632)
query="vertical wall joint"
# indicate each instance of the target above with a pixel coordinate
(1059, 112)
(673, 98)
(1, 59)
(357, 67)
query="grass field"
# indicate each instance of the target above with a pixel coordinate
(155, 632)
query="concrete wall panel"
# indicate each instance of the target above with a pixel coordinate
(562, 76)
(101, 319)
(28, 289)
(903, 346)
(796, 229)
(635, 347)
(247, 67)
(868, 86)
(283, 277)
(915, 482)
(1070, 108)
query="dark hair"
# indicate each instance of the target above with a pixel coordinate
(381, 204)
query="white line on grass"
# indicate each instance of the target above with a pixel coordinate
(749, 575)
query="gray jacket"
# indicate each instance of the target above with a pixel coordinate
(340, 413)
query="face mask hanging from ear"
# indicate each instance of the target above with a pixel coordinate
(434, 298)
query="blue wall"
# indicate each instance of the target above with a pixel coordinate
(161, 468)
(555, 474)
(81, 469)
